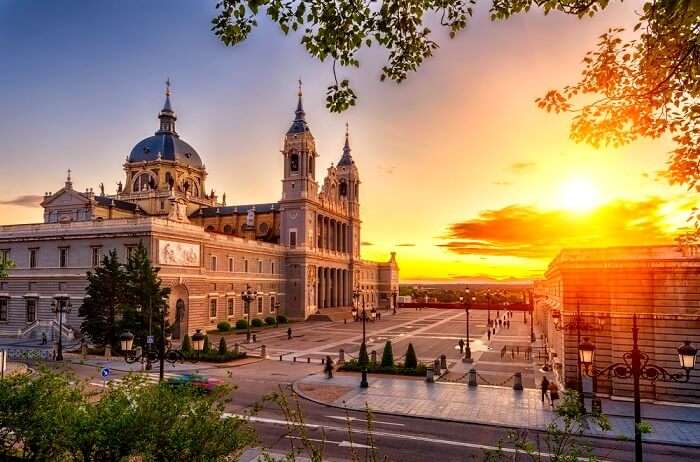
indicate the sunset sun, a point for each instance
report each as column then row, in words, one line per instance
column 579, row 195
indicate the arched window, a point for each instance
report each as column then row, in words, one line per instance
column 294, row 163
column 343, row 189
column 357, row 191
column 311, row 165
column 210, row 229
column 228, row 229
column 144, row 182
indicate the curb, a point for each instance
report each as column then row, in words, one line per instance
column 296, row 390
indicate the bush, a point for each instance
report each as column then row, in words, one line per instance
column 256, row 322
column 411, row 360
column 399, row 369
column 206, row 348
column 187, row 344
column 388, row 355
column 282, row 319
column 223, row 326
column 215, row 357
column 270, row 321
column 222, row 346
column 364, row 358
column 241, row 324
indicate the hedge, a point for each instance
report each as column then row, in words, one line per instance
column 256, row 322
column 270, row 321
column 215, row 356
column 282, row 319
column 241, row 324
column 354, row 366
column 223, row 326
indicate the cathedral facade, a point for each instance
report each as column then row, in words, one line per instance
column 302, row 253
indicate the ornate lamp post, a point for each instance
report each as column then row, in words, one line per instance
column 635, row 364
column 469, row 299
column 395, row 294
column 248, row 296
column 488, row 303
column 61, row 305
column 356, row 295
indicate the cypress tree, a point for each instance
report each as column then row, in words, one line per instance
column 187, row 344
column 364, row 357
column 222, row 346
column 388, row 355
column 411, row 360
column 206, row 348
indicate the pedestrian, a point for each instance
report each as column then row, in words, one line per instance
column 328, row 368
column 461, row 346
column 289, row 333
column 488, row 333
column 508, row 324
column 553, row 393
column 44, row 340
column 544, row 386
column 500, row 323
column 379, row 315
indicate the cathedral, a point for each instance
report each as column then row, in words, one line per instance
column 302, row 253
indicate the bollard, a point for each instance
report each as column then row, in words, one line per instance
column 443, row 362
column 263, row 352
column 295, row 359
column 83, row 350
column 429, row 374
column 517, row 381
column 436, row 365
column 108, row 351
column 280, row 357
column 374, row 357
column 323, row 360
column 341, row 357
column 308, row 360
column 472, row 377
column 254, row 338
column 236, row 349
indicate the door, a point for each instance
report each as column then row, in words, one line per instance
column 179, row 319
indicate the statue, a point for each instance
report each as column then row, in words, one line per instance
column 102, row 189
column 119, row 187
column 223, row 199
column 250, row 218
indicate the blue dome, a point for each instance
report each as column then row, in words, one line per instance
column 169, row 146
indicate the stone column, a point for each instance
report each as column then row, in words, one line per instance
column 328, row 288
column 322, row 287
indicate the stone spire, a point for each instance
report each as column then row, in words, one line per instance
column 299, row 125
column 69, row 181
column 167, row 115
column 346, row 159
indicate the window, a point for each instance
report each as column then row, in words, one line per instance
column 4, row 255
column 260, row 266
column 213, row 262
column 31, row 309
column 3, row 309
column 260, row 305
column 144, row 182
column 246, row 308
column 294, row 163
column 272, row 267
column 230, row 306
column 212, row 308
column 292, row 239
column 272, row 304
column 129, row 251
column 96, row 257
column 230, row 264
column 245, row 266
column 33, row 254
column 63, row 257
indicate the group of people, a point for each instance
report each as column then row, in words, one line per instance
column 549, row 390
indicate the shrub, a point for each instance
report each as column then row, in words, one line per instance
column 364, row 358
column 241, row 324
column 411, row 360
column 223, row 326
column 215, row 357
column 399, row 369
column 388, row 356
column 222, row 346
column 187, row 344
column 256, row 322
column 206, row 348
column 282, row 319
column 270, row 321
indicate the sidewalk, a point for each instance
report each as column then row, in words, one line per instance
column 499, row 406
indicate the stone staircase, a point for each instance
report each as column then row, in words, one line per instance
column 332, row 314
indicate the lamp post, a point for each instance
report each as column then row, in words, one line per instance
column 61, row 305
column 395, row 294
column 248, row 295
column 488, row 305
column 356, row 295
column 469, row 299
column 635, row 364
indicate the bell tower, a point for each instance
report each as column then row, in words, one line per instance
column 299, row 181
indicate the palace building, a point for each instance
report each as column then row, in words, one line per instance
column 302, row 253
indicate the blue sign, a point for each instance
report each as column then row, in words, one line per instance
column 105, row 372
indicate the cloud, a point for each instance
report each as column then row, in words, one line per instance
column 520, row 167
column 406, row 245
column 503, row 183
column 24, row 201
column 366, row 243
column 529, row 232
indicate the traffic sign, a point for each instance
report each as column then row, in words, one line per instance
column 149, row 339
column 105, row 372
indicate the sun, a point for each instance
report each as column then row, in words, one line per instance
column 579, row 195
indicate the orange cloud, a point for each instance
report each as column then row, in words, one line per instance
column 529, row 232
column 520, row 167
column 23, row 201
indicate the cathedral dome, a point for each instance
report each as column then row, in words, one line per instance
column 166, row 143
column 165, row 146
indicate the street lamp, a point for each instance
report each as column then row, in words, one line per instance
column 248, row 296
column 395, row 294
column 488, row 305
column 635, row 364
column 469, row 299
column 61, row 305
column 198, row 340
column 356, row 295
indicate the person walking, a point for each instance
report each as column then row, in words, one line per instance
column 461, row 346
column 553, row 393
column 328, row 368
column 544, row 386
column 488, row 333
column 44, row 340
column 289, row 333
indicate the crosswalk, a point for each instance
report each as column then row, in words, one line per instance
column 150, row 378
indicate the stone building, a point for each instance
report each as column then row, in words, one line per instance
column 661, row 284
column 302, row 252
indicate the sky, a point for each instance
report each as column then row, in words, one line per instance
column 463, row 176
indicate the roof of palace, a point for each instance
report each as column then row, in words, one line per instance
column 236, row 209
column 110, row 202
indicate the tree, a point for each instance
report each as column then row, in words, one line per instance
column 222, row 346
column 104, row 301
column 411, row 362
column 644, row 86
column 147, row 300
column 206, row 348
column 387, row 355
column 363, row 359
column 187, row 344
column 5, row 266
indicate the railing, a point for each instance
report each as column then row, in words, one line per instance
column 52, row 324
